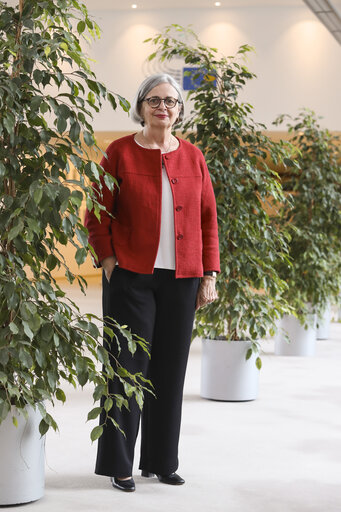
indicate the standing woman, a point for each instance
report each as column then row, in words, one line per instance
column 160, row 255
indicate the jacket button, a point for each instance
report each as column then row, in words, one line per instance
column 178, row 208
column 180, row 237
column 174, row 180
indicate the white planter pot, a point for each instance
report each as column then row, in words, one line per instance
column 302, row 341
column 225, row 373
column 322, row 331
column 22, row 460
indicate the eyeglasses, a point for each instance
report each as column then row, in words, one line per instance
column 155, row 101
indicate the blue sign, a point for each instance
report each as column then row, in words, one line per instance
column 192, row 78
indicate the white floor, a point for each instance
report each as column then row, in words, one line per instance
column 279, row 453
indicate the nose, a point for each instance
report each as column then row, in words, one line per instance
column 162, row 105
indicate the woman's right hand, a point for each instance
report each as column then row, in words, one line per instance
column 108, row 265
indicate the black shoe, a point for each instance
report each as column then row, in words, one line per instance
column 123, row 485
column 172, row 479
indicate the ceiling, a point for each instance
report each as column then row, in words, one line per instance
column 188, row 4
column 337, row 5
column 120, row 5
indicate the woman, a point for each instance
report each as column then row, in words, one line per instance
column 160, row 240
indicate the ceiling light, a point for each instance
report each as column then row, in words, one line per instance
column 217, row 4
column 134, row 6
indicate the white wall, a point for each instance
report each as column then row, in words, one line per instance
column 297, row 61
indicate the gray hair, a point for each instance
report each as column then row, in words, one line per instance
column 147, row 85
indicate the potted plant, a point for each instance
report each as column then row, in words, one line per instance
column 314, row 222
column 48, row 94
column 247, row 190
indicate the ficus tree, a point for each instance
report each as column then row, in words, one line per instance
column 314, row 220
column 240, row 158
column 48, row 96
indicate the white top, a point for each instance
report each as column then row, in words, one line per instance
column 166, row 252
column 165, row 257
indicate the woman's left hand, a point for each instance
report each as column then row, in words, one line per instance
column 206, row 292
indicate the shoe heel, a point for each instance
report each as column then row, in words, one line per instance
column 146, row 474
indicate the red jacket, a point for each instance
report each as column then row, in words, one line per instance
column 133, row 234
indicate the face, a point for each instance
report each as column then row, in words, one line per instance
column 161, row 116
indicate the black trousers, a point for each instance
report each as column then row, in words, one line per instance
column 160, row 309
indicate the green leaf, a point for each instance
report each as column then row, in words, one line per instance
column 102, row 355
column 25, row 357
column 43, row 427
column 100, row 390
column 9, row 289
column 13, row 328
column 47, row 331
column 120, row 401
column 67, row 226
column 61, row 124
column 259, row 363
column 77, row 198
column 16, row 230
column 38, row 76
column 82, row 237
column 112, row 100
column 52, row 377
column 51, row 261
column 81, row 255
column 2, row 170
column 37, row 196
column 9, row 122
column 35, row 103
column 139, row 398
column 248, row 354
column 124, row 103
column 89, row 23
column 88, row 138
column 60, row 395
column 91, row 98
column 48, row 418
column 4, row 357
column 108, row 404
column 89, row 203
column 4, row 409
column 33, row 225
column 3, row 377
column 110, row 181
column 81, row 27
column 27, row 330
column 116, row 425
column 74, row 132
column 83, row 378
column 96, row 433
column 40, row 358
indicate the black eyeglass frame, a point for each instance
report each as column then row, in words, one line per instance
column 160, row 100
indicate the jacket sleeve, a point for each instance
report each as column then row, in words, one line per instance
column 100, row 231
column 209, row 224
